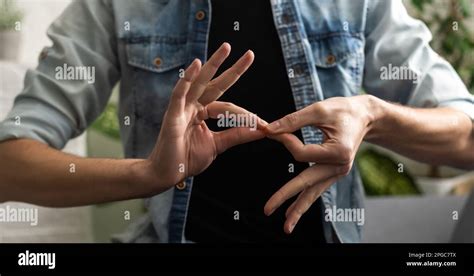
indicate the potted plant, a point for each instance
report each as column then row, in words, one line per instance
column 10, row 27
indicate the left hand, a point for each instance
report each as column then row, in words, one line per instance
column 344, row 123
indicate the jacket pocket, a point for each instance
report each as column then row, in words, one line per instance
column 155, row 63
column 339, row 60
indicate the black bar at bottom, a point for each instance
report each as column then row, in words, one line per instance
column 449, row 259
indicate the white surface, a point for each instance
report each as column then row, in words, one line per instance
column 411, row 219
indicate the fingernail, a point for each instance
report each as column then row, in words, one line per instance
column 274, row 126
column 265, row 123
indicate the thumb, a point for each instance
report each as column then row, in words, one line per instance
column 235, row 136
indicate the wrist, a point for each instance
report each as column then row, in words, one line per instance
column 376, row 114
column 144, row 177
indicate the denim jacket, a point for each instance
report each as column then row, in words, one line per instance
column 331, row 48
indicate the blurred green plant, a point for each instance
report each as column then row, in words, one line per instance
column 380, row 175
column 451, row 23
column 9, row 15
column 108, row 123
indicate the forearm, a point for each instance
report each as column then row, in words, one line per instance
column 33, row 172
column 440, row 136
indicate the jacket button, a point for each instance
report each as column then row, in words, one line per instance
column 158, row 61
column 200, row 15
column 330, row 59
column 181, row 186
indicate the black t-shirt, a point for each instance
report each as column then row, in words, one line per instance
column 227, row 199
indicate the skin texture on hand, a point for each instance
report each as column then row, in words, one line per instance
column 432, row 135
column 344, row 123
column 186, row 146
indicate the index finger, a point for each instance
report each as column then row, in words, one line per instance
column 219, row 85
column 208, row 71
column 293, row 121
column 178, row 96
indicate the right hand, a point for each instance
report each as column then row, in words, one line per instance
column 185, row 145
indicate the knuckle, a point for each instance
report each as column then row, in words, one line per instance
column 228, row 105
column 345, row 153
column 344, row 169
column 313, row 198
column 214, row 64
column 214, row 87
column 307, row 204
column 344, row 100
column 321, row 109
column 235, row 74
column 279, row 195
column 303, row 180
column 291, row 119
column 200, row 108
column 296, row 214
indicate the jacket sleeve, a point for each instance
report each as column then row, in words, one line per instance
column 397, row 42
column 73, row 80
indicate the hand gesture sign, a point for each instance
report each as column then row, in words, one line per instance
column 185, row 145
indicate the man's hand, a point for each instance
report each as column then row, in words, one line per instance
column 344, row 123
column 186, row 146
column 440, row 136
